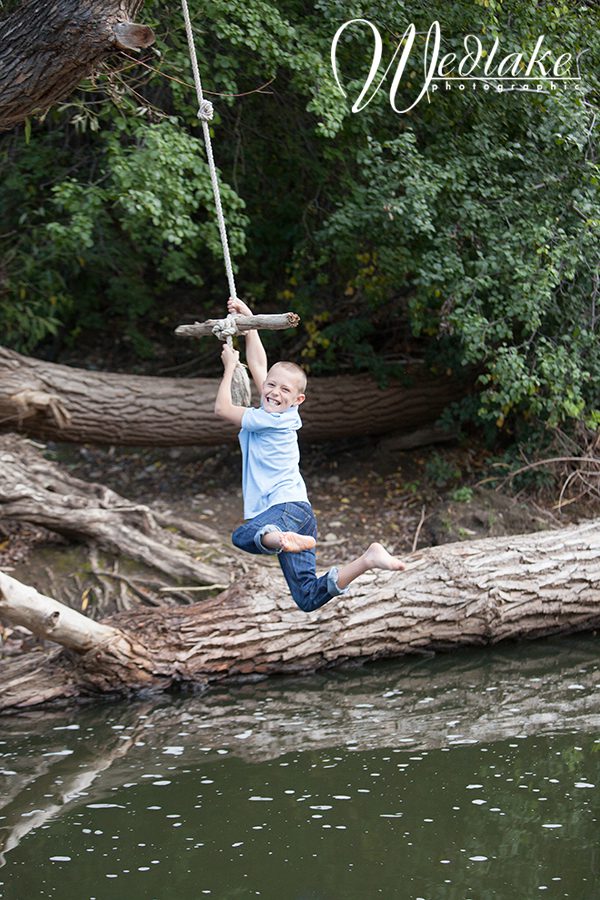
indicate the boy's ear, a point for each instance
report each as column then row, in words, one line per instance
column 300, row 399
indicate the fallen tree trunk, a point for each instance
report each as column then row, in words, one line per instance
column 33, row 489
column 56, row 402
column 476, row 592
column 47, row 48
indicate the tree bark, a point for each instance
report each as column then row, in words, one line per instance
column 47, row 48
column 47, row 618
column 472, row 593
column 56, row 402
column 32, row 489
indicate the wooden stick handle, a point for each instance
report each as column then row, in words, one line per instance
column 243, row 323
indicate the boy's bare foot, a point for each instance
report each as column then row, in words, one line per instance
column 288, row 541
column 377, row 557
column 295, row 543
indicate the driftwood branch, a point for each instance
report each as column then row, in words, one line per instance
column 476, row 593
column 105, row 649
column 33, row 489
column 48, row 619
column 243, row 324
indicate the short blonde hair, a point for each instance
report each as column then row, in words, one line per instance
column 296, row 370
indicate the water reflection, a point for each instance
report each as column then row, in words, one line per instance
column 475, row 772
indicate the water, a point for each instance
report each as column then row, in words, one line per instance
column 474, row 775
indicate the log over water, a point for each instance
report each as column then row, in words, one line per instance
column 418, row 706
column 472, row 593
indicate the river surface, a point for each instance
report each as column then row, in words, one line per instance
column 473, row 775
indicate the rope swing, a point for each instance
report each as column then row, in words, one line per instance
column 240, row 389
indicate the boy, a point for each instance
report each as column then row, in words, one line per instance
column 279, row 516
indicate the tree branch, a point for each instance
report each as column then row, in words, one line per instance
column 47, row 48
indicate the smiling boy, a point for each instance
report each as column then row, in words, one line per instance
column 279, row 517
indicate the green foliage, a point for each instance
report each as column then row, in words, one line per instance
column 465, row 231
column 441, row 471
column 107, row 248
column 462, row 495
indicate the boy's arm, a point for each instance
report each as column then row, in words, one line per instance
column 224, row 407
column 255, row 352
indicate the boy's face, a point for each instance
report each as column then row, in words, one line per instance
column 280, row 390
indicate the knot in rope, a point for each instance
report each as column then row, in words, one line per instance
column 225, row 328
column 205, row 111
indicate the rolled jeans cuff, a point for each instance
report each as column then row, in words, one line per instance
column 332, row 583
column 266, row 529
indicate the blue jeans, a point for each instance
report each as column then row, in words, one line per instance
column 299, row 569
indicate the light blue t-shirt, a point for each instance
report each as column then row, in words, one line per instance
column 270, row 459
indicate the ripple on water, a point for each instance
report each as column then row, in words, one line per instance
column 219, row 818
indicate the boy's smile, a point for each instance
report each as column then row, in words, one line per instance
column 280, row 390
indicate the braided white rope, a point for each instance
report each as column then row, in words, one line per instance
column 240, row 391
column 205, row 113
